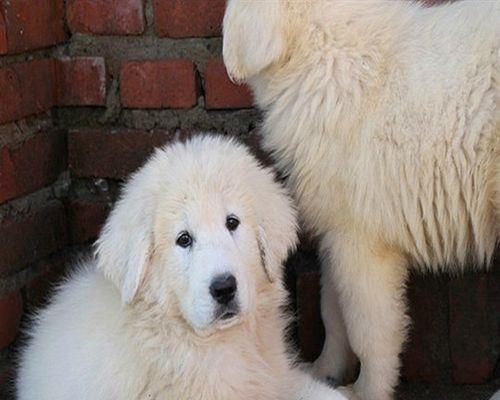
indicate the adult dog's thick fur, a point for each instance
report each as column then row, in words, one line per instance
column 183, row 298
column 385, row 116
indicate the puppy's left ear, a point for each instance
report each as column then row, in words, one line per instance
column 277, row 234
column 125, row 245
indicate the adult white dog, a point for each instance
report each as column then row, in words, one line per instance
column 183, row 298
column 385, row 116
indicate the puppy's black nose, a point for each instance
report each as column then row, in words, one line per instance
column 223, row 288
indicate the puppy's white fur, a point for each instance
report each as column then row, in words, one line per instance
column 385, row 116
column 138, row 321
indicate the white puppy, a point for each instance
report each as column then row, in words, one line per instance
column 385, row 115
column 183, row 300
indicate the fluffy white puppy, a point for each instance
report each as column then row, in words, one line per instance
column 385, row 116
column 183, row 298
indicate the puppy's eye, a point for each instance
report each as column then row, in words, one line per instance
column 232, row 223
column 184, row 240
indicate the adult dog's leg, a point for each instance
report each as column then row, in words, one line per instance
column 371, row 284
column 337, row 360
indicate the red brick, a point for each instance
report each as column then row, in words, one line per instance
column 106, row 17
column 220, row 92
column 427, row 353
column 86, row 219
column 26, row 89
column 81, row 81
column 193, row 18
column 32, row 164
column 30, row 237
column 27, row 26
column 158, row 84
column 3, row 35
column 111, row 154
column 39, row 289
column 11, row 310
column 471, row 340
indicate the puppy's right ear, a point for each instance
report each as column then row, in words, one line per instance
column 277, row 230
column 125, row 245
column 253, row 36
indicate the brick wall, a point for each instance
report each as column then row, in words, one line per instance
column 87, row 89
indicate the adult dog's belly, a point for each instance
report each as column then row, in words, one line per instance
column 434, row 205
column 436, row 208
column 404, row 166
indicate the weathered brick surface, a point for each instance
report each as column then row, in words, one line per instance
column 33, row 87
column 106, row 17
column 427, row 353
column 310, row 328
column 32, row 164
column 38, row 290
column 111, row 154
column 4, row 47
column 81, row 81
column 493, row 311
column 27, row 25
column 158, row 84
column 86, row 219
column 471, row 340
column 303, row 281
column 26, row 89
column 6, row 374
column 220, row 92
column 11, row 309
column 193, row 18
column 28, row 238
column 253, row 142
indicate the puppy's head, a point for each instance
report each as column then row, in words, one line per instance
column 199, row 230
